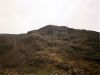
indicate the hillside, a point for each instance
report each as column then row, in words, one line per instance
column 50, row 50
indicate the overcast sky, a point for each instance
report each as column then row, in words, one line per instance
column 20, row 16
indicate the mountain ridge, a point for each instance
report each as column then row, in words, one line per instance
column 65, row 27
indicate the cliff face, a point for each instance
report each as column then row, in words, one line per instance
column 51, row 50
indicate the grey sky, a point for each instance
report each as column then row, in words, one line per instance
column 19, row 16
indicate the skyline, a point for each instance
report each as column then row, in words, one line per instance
column 21, row 16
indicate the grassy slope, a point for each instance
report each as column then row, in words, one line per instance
column 51, row 49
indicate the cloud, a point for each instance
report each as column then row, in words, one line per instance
column 18, row 16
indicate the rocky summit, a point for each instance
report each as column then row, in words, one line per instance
column 50, row 50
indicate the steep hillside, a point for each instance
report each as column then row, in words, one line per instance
column 50, row 50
